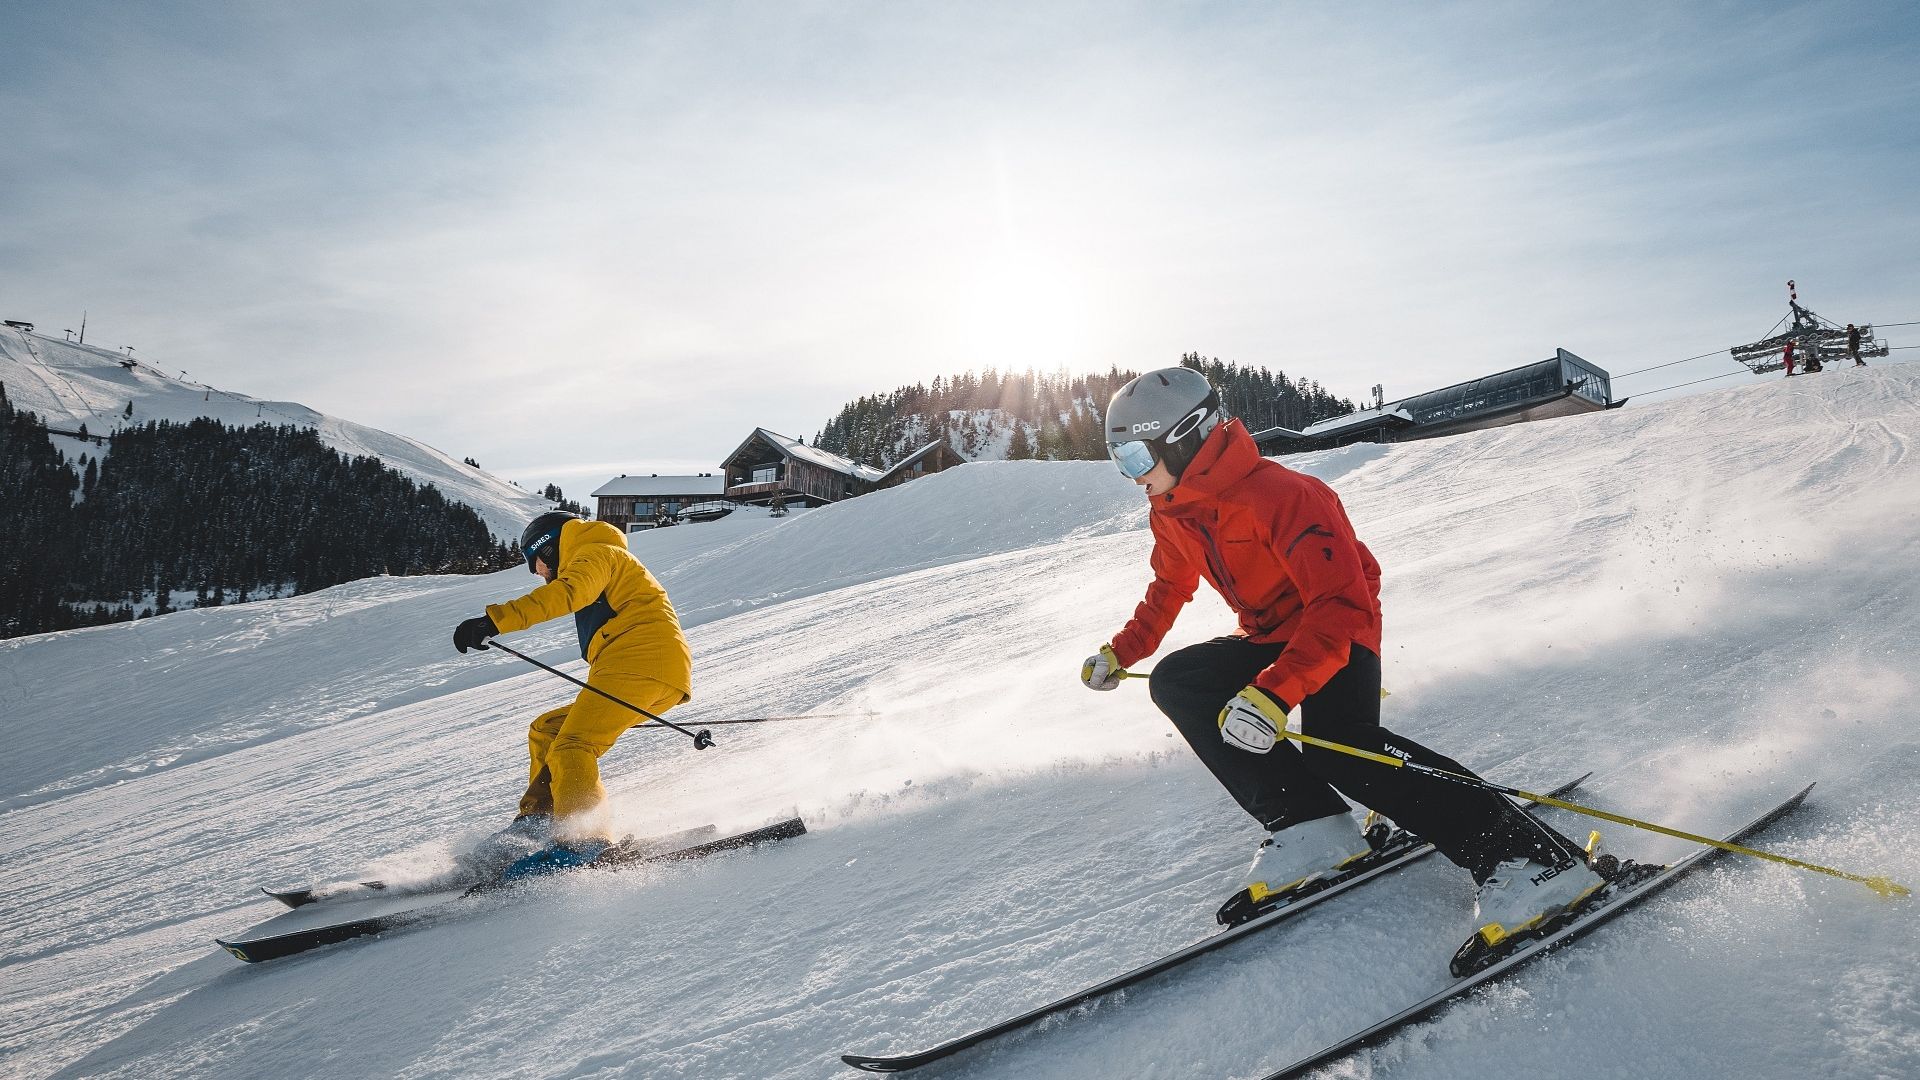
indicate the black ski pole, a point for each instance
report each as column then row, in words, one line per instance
column 701, row 739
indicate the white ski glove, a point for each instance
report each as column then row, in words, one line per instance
column 1253, row 720
column 1102, row 670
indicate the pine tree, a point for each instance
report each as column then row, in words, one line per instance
column 1019, row 448
column 235, row 512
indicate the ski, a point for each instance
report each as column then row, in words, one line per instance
column 625, row 851
column 1398, row 850
column 311, row 925
column 1608, row 903
column 294, row 898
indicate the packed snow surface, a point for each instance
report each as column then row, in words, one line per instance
column 71, row 386
column 1710, row 602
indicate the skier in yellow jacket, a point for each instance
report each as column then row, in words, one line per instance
column 635, row 651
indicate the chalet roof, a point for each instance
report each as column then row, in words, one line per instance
column 704, row 484
column 907, row 462
column 824, row 459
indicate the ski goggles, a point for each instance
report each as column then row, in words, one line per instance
column 1135, row 459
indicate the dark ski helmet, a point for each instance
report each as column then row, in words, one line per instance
column 1162, row 416
column 541, row 537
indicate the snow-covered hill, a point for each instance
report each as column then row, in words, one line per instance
column 1708, row 601
column 72, row 385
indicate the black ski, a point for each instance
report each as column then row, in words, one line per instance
column 1607, row 904
column 1397, row 851
column 311, row 925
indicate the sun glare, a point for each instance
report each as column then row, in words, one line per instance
column 1024, row 312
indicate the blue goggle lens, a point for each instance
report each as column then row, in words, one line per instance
column 1135, row 459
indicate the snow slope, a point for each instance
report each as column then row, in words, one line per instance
column 69, row 385
column 1709, row 601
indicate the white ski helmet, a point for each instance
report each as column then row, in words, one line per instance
column 1162, row 416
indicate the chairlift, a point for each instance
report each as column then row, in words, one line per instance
column 1816, row 341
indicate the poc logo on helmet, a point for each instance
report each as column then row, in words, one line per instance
column 1150, row 425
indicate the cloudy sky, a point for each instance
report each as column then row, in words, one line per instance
column 578, row 239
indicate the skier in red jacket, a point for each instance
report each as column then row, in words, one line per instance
column 1277, row 546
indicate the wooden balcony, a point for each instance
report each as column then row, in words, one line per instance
column 753, row 491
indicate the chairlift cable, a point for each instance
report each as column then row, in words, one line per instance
column 1702, row 356
column 1676, row 386
column 1671, row 363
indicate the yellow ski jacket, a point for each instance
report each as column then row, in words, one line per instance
column 625, row 621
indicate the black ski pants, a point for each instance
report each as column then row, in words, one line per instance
column 1290, row 784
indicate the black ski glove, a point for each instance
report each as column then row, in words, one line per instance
column 473, row 633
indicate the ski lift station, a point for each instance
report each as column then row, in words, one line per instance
column 1561, row 385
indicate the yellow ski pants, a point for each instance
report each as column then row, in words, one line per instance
column 564, row 745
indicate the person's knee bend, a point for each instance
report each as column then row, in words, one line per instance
column 1172, row 681
column 568, row 743
column 572, row 760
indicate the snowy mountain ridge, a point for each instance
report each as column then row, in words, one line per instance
column 1709, row 602
column 72, row 386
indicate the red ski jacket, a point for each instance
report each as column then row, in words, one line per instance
column 1277, row 546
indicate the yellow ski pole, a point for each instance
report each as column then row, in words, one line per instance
column 1885, row 888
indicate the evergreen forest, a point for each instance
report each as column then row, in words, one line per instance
column 1053, row 416
column 225, row 514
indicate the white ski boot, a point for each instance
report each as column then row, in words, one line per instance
column 1522, row 893
column 1302, row 853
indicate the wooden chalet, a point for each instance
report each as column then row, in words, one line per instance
column 936, row 456
column 769, row 465
column 626, row 501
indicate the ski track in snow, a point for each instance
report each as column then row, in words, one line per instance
column 1710, row 601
